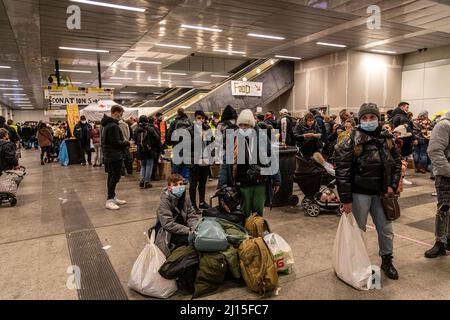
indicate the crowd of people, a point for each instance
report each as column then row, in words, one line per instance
column 368, row 152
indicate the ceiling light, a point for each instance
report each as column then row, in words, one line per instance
column 128, row 92
column 187, row 26
column 187, row 87
column 14, row 94
column 25, row 105
column 9, row 80
column 383, row 51
column 200, row 81
column 331, row 44
column 163, row 22
column 110, row 5
column 265, row 36
column 218, row 76
column 5, row 67
column 288, row 57
column 84, row 50
column 258, row 71
column 19, row 99
column 173, row 46
column 159, row 80
column 75, row 71
column 148, row 62
column 76, row 82
column 244, row 79
column 27, row 108
column 133, row 71
column 112, row 84
column 120, row 78
column 9, row 88
column 229, row 51
column 175, row 73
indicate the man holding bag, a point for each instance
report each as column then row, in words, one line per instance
column 368, row 165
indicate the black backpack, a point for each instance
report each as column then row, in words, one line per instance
column 143, row 141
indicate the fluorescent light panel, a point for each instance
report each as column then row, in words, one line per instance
column 128, row 92
column 75, row 71
column 110, row 5
column 83, row 49
column 383, row 51
column 175, row 73
column 9, row 88
column 200, row 81
column 187, row 26
column 173, row 46
column 229, row 51
column 218, row 76
column 14, row 94
column 9, row 80
column 288, row 57
column 265, row 36
column 133, row 71
column 159, row 80
column 120, row 78
column 148, row 62
column 5, row 67
column 331, row 44
column 112, row 84
column 27, row 108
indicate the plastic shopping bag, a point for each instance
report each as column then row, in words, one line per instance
column 350, row 259
column 281, row 251
column 63, row 156
column 145, row 278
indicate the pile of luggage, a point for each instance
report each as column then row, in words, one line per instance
column 219, row 249
column 9, row 184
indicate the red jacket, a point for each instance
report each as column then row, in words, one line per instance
column 95, row 134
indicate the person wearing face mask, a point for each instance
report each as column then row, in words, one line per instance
column 82, row 132
column 95, row 134
column 227, row 123
column 368, row 164
column 199, row 168
column 113, row 149
column 175, row 216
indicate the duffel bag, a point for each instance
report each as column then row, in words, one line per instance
column 209, row 236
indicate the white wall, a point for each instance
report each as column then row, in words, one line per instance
column 426, row 86
column 29, row 115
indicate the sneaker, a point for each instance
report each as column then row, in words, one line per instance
column 148, row 185
column 142, row 184
column 204, row 206
column 119, row 202
column 42, row 163
column 434, row 194
column 211, row 179
column 83, row 164
column 110, row 205
column 95, row 165
column 437, row 250
column 407, row 182
column 90, row 163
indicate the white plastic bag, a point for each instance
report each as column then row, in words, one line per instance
column 145, row 278
column 281, row 251
column 350, row 259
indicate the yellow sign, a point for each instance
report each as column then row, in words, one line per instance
column 73, row 116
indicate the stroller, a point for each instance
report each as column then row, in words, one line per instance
column 9, row 184
column 318, row 184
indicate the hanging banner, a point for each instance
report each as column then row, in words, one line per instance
column 246, row 88
column 61, row 96
column 73, row 116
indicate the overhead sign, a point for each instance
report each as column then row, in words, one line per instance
column 246, row 88
column 80, row 96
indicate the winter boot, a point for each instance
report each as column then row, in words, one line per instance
column 388, row 267
column 436, row 251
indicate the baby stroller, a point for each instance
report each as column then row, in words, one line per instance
column 318, row 184
column 9, row 184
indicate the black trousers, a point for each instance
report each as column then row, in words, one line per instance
column 197, row 179
column 114, row 170
column 86, row 150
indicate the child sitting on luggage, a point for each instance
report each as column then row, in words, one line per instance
column 175, row 216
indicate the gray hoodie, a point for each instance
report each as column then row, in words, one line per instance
column 168, row 224
column 439, row 147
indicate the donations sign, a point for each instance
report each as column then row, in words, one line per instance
column 80, row 96
column 246, row 88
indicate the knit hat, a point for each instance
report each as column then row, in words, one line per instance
column 229, row 114
column 403, row 131
column 369, row 108
column 246, row 117
column 284, row 111
column 423, row 114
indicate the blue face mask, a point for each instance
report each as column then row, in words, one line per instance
column 370, row 126
column 178, row 191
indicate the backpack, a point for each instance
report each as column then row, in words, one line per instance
column 257, row 266
column 209, row 236
column 256, row 225
column 143, row 141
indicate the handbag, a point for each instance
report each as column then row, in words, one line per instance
column 391, row 206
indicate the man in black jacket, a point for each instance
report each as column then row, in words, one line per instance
column 400, row 116
column 82, row 132
column 8, row 159
column 368, row 165
column 113, row 147
column 13, row 136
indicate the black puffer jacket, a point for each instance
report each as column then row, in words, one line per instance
column 367, row 164
column 307, row 145
column 153, row 140
column 113, row 143
column 399, row 117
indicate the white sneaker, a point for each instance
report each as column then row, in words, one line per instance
column 119, row 202
column 110, row 205
column 407, row 182
column 434, row 194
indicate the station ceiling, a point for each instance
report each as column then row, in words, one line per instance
column 144, row 49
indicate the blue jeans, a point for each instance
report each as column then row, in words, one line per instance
column 362, row 205
column 147, row 169
column 420, row 155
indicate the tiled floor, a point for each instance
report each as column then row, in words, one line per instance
column 54, row 201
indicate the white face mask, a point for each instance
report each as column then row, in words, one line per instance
column 83, row 121
column 233, row 121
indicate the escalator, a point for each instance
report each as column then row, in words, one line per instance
column 277, row 77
